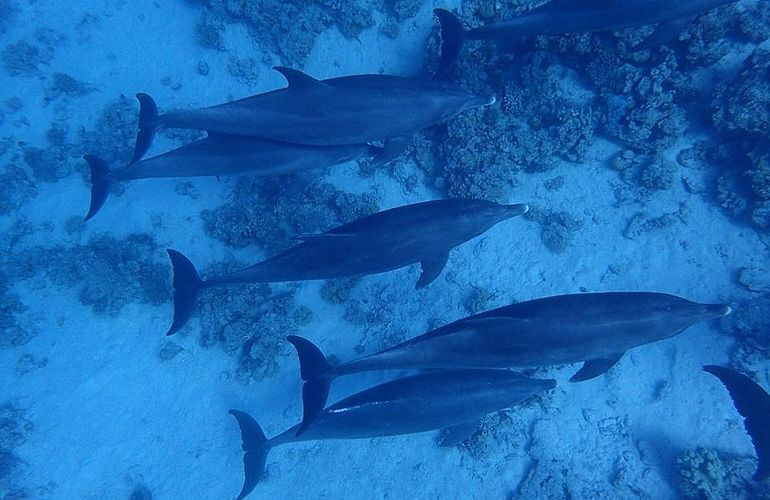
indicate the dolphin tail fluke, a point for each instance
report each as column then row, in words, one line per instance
column 187, row 283
column 255, row 447
column 100, row 184
column 753, row 403
column 148, row 122
column 451, row 40
column 317, row 373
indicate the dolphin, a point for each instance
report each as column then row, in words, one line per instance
column 559, row 17
column 421, row 232
column 222, row 155
column 596, row 328
column 753, row 403
column 418, row 403
column 345, row 110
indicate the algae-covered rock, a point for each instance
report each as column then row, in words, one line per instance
column 749, row 325
column 268, row 214
column 706, row 474
column 250, row 322
column 289, row 29
column 107, row 273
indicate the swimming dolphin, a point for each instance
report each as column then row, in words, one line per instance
column 559, row 17
column 597, row 328
column 409, row 405
column 222, row 155
column 421, row 232
column 753, row 403
column 345, row 110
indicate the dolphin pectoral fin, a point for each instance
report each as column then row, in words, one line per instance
column 457, row 434
column 298, row 80
column 664, row 33
column 595, row 367
column 431, row 268
column 753, row 403
column 392, row 149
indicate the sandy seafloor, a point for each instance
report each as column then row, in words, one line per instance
column 109, row 415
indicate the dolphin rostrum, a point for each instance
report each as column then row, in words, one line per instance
column 419, row 403
column 559, row 17
column 596, row 328
column 384, row 241
column 753, row 403
column 345, row 110
column 218, row 155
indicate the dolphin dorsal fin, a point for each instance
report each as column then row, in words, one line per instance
column 298, row 80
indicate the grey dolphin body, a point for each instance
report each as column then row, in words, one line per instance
column 222, row 155
column 408, row 405
column 559, row 17
column 345, row 110
column 421, row 232
column 596, row 328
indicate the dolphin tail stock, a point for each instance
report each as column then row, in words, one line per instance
column 100, row 184
column 187, row 283
column 452, row 35
column 255, row 449
column 753, row 404
column 317, row 373
column 148, row 122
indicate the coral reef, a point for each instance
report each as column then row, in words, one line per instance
column 741, row 108
column 540, row 120
column 107, row 273
column 251, row 322
column 63, row 84
column 12, row 333
column 22, row 58
column 706, row 474
column 557, row 93
column 14, row 430
column 749, row 325
column 16, row 188
column 289, row 29
column 557, row 228
column 270, row 214
column 642, row 223
column 114, row 134
column 8, row 12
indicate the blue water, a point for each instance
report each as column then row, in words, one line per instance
column 644, row 169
